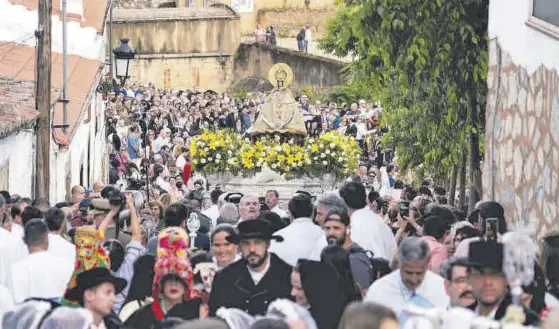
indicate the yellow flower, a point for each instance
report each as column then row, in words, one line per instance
column 314, row 148
column 281, row 158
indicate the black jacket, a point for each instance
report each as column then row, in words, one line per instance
column 532, row 319
column 144, row 318
column 234, row 287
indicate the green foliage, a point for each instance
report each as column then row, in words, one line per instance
column 240, row 93
column 426, row 61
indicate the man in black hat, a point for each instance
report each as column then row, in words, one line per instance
column 256, row 280
column 489, row 284
column 96, row 291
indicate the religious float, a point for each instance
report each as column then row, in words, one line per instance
column 277, row 153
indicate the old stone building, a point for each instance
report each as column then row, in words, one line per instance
column 521, row 167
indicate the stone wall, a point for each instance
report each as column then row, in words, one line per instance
column 254, row 60
column 182, row 72
column 521, row 166
column 141, row 4
column 288, row 22
column 178, row 30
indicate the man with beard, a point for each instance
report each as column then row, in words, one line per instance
column 338, row 231
column 456, row 283
column 256, row 280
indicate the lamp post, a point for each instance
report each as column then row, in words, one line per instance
column 123, row 54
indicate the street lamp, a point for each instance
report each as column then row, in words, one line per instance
column 123, row 54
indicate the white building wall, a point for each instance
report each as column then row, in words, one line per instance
column 19, row 24
column 18, row 152
column 527, row 47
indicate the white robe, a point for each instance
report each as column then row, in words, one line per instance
column 302, row 239
column 40, row 275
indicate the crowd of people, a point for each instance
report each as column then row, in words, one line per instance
column 160, row 255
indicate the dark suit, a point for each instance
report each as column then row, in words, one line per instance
column 532, row 319
column 233, row 287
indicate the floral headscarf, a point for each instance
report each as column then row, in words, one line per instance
column 89, row 254
column 172, row 258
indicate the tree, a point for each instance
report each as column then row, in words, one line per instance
column 427, row 62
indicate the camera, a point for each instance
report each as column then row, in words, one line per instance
column 404, row 208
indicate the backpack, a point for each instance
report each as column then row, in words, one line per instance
column 379, row 266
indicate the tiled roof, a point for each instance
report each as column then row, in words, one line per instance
column 17, row 106
column 18, row 63
column 94, row 11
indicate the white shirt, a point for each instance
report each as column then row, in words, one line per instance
column 6, row 302
column 257, row 276
column 301, row 239
column 10, row 251
column 158, row 143
column 40, row 275
column 391, row 292
column 17, row 230
column 212, row 213
column 371, row 233
column 282, row 213
column 180, row 163
column 308, row 35
column 58, row 246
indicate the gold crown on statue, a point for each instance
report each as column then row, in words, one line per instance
column 280, row 72
column 281, row 75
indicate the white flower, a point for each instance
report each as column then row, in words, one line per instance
column 327, row 151
column 311, row 140
column 332, row 145
column 200, row 143
column 323, row 155
column 321, row 145
column 229, row 152
column 333, row 154
column 206, row 149
column 210, row 159
column 294, row 164
column 308, row 161
column 217, row 160
column 218, row 156
column 300, row 164
column 203, row 160
column 278, row 148
column 315, row 158
column 325, row 163
column 291, row 141
column 274, row 165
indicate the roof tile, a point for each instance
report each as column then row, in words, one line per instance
column 17, row 63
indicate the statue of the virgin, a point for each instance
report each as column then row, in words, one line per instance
column 280, row 113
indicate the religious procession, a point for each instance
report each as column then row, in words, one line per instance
column 224, row 221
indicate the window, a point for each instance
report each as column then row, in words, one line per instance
column 547, row 11
column 545, row 17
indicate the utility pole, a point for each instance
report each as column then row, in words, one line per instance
column 43, row 91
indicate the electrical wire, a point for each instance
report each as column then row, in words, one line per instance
column 20, row 39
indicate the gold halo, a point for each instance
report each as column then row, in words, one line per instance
column 280, row 71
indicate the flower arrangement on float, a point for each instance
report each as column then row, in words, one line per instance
column 226, row 151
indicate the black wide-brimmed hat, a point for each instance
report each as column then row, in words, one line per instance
column 92, row 278
column 486, row 254
column 254, row 229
